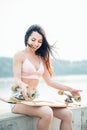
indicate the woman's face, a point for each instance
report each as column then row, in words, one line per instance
column 35, row 40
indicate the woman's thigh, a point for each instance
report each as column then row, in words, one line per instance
column 32, row 111
column 62, row 113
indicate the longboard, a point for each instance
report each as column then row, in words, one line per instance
column 69, row 98
column 34, row 102
column 39, row 102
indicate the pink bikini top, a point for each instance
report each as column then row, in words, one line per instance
column 29, row 71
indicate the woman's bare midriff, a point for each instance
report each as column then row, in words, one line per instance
column 32, row 83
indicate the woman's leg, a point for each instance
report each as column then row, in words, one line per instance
column 65, row 115
column 44, row 113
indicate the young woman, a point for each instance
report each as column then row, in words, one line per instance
column 29, row 65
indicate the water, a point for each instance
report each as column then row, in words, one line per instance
column 75, row 81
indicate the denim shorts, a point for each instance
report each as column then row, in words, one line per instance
column 17, row 94
column 12, row 105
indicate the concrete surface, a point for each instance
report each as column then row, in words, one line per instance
column 10, row 121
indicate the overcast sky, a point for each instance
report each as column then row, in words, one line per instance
column 64, row 21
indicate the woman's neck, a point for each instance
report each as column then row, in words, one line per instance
column 30, row 50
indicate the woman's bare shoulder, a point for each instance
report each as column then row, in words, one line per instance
column 44, row 64
column 19, row 55
column 43, row 61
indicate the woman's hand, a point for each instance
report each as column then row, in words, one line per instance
column 24, row 92
column 76, row 92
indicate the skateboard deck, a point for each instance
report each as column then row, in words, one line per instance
column 35, row 102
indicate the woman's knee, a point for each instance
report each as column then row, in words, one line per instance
column 47, row 113
column 68, row 114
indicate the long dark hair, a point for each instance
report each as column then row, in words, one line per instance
column 45, row 50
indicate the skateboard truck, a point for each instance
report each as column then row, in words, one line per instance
column 31, row 93
column 69, row 98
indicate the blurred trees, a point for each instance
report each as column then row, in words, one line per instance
column 60, row 67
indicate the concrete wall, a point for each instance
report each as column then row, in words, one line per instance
column 12, row 121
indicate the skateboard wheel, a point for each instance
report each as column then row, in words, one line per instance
column 77, row 98
column 60, row 92
column 14, row 88
column 31, row 94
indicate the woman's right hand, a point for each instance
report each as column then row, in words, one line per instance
column 24, row 92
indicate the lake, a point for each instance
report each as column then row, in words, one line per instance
column 75, row 81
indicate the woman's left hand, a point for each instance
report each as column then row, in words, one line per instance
column 76, row 92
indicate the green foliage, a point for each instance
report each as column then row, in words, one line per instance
column 60, row 67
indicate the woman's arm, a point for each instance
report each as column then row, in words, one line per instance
column 50, row 82
column 17, row 62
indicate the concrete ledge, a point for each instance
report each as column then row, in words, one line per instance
column 12, row 121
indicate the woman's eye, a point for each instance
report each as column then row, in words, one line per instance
column 40, row 42
column 33, row 39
